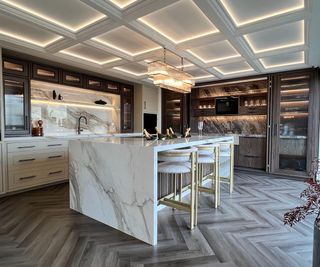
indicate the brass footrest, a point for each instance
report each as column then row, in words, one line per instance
column 206, row 190
column 175, row 204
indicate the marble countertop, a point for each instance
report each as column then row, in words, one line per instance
column 160, row 145
column 68, row 137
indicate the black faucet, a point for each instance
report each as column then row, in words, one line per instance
column 79, row 130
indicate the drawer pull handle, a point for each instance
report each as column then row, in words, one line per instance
column 51, row 173
column 54, row 157
column 55, row 145
column 27, row 177
column 20, row 147
column 25, row 160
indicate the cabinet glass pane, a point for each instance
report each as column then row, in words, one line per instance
column 13, row 66
column 173, row 117
column 94, row 83
column 127, row 116
column 14, row 104
column 45, row 73
column 71, row 78
column 294, row 108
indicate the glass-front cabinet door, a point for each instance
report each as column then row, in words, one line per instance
column 127, row 114
column 291, row 123
column 16, row 97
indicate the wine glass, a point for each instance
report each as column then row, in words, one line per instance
column 200, row 127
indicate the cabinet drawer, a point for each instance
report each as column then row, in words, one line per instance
column 33, row 177
column 20, row 160
column 15, row 147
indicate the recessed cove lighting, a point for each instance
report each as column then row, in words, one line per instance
column 241, row 22
column 123, row 50
column 30, row 41
column 233, row 72
column 122, row 3
column 295, row 61
column 89, row 59
column 212, row 60
column 80, row 26
column 129, row 72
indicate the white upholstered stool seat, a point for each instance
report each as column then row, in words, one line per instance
column 174, row 167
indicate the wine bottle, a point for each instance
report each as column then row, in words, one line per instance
column 169, row 136
column 173, row 135
column 159, row 135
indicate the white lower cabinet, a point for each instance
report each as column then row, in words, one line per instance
column 36, row 163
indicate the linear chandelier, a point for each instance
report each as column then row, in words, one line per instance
column 170, row 77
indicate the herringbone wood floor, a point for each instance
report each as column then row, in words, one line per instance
column 38, row 229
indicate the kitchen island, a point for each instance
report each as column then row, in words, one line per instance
column 114, row 180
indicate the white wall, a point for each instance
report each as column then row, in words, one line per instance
column 147, row 99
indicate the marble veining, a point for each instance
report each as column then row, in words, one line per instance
column 114, row 180
column 59, row 117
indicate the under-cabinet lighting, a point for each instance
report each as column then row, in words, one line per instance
column 24, row 39
column 89, row 59
column 59, row 23
column 46, row 102
column 270, row 15
column 294, row 91
column 294, row 103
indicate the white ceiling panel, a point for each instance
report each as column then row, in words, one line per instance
column 71, row 14
column 127, row 41
column 199, row 74
column 234, row 68
column 283, row 36
column 215, row 52
column 133, row 69
column 89, row 54
column 248, row 11
column 283, row 60
column 122, row 3
column 26, row 32
column 180, row 22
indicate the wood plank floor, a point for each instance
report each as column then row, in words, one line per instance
column 38, row 229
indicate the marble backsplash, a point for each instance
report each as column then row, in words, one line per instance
column 61, row 117
column 253, row 124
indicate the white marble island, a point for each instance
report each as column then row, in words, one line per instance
column 114, row 180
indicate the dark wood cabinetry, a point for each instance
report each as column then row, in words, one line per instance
column 16, row 105
column 45, row 73
column 127, row 109
column 294, row 126
column 71, row 78
column 251, row 153
column 175, row 111
column 15, row 67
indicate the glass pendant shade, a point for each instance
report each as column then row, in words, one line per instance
column 169, row 77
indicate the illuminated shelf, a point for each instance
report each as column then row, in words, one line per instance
column 72, row 104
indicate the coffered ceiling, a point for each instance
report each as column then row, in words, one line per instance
column 217, row 39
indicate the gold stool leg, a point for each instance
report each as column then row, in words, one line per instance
column 218, row 175
column 231, row 167
column 180, row 188
column 196, row 191
column 192, row 203
column 175, row 186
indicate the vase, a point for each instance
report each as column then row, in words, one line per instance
column 316, row 245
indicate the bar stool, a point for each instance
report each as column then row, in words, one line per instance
column 227, row 151
column 178, row 162
column 208, row 154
